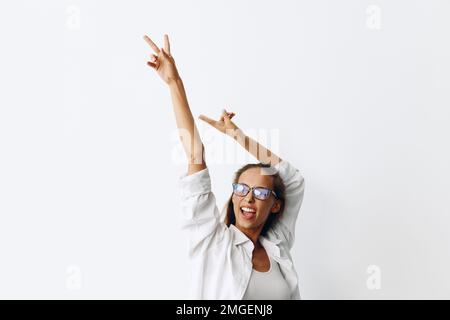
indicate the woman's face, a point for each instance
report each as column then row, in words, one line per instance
column 253, row 177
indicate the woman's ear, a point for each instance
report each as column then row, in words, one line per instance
column 276, row 206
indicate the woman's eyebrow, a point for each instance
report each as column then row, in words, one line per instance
column 256, row 186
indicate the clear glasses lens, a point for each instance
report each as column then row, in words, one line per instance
column 259, row 193
column 240, row 189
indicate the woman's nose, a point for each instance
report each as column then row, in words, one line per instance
column 249, row 196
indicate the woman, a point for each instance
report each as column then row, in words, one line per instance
column 247, row 256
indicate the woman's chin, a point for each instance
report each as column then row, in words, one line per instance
column 246, row 222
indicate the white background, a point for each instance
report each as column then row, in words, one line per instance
column 358, row 92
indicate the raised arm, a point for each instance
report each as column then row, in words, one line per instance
column 163, row 63
column 292, row 178
column 228, row 127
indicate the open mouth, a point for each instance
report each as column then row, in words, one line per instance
column 248, row 213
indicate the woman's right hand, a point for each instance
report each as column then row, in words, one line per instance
column 224, row 124
column 162, row 60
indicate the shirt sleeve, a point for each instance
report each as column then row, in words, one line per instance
column 200, row 215
column 295, row 185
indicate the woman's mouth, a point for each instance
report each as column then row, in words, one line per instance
column 248, row 213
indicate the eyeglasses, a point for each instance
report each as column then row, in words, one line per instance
column 261, row 193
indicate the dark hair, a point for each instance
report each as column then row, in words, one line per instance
column 278, row 187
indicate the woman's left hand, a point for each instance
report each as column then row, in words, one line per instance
column 224, row 124
column 162, row 60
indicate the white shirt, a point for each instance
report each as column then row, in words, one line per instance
column 221, row 256
column 268, row 285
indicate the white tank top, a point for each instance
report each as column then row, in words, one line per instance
column 269, row 285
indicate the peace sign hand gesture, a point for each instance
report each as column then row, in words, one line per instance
column 162, row 61
column 224, row 124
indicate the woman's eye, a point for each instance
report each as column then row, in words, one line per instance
column 262, row 192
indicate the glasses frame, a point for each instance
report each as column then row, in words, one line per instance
column 252, row 189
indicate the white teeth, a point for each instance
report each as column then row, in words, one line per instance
column 247, row 209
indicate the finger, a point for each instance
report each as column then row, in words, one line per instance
column 223, row 115
column 164, row 52
column 166, row 44
column 151, row 64
column 153, row 58
column 226, row 115
column 152, row 44
column 207, row 120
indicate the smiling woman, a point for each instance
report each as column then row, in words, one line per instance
column 246, row 208
column 248, row 255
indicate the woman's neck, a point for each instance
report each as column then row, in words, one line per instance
column 252, row 234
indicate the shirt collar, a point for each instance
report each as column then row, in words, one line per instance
column 269, row 245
